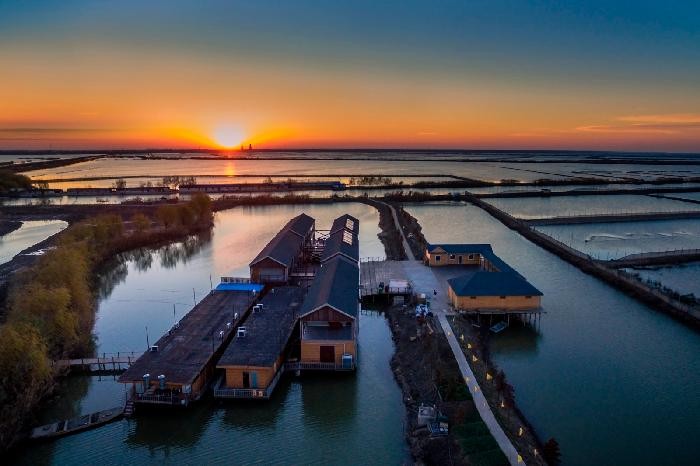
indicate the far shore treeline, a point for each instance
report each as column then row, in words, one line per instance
column 50, row 306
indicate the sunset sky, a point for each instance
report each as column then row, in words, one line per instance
column 589, row 74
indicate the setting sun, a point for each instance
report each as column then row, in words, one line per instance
column 228, row 137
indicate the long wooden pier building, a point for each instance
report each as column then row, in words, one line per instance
column 180, row 366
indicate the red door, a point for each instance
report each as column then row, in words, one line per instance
column 327, row 353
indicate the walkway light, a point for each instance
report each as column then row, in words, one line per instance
column 520, row 432
column 469, row 345
column 488, row 376
column 474, row 358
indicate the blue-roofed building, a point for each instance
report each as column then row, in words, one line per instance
column 488, row 282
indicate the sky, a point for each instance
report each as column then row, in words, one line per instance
column 492, row 74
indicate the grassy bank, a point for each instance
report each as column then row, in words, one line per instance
column 50, row 305
column 427, row 373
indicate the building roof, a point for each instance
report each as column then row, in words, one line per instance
column 302, row 224
column 336, row 284
column 483, row 283
column 285, row 245
column 267, row 331
column 186, row 349
column 253, row 287
column 347, row 222
column 461, row 248
column 342, row 242
column 483, row 249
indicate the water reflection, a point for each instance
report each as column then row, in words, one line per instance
column 116, row 271
column 162, row 429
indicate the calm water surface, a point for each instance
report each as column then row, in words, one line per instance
column 546, row 207
column 614, row 240
column 345, row 419
column 30, row 233
column 612, row 380
column 684, row 278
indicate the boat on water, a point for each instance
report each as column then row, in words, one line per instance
column 76, row 424
column 499, row 327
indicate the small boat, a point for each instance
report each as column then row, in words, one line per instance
column 499, row 327
column 76, row 424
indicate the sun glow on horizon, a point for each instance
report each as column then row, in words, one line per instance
column 228, row 137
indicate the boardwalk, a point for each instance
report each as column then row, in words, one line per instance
column 479, row 399
column 111, row 362
column 425, row 280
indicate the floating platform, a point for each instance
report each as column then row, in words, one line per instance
column 178, row 368
column 254, row 360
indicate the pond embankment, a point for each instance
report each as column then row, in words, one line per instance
column 616, row 278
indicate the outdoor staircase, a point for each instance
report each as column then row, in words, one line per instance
column 129, row 408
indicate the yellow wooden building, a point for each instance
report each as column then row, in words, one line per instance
column 487, row 282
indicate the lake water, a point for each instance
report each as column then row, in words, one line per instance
column 611, row 379
column 614, row 240
column 30, row 233
column 315, row 419
column 351, row 164
column 683, row 278
column 545, row 207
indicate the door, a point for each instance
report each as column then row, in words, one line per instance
column 327, row 354
column 246, row 380
column 460, row 259
column 253, row 380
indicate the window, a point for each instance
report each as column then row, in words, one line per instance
column 437, row 258
column 472, row 297
column 528, row 297
column 350, row 224
column 503, row 297
column 347, row 237
column 452, row 256
column 471, row 257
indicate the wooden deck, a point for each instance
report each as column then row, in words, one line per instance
column 106, row 363
column 374, row 272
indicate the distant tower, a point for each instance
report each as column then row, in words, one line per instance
column 241, row 147
column 250, row 147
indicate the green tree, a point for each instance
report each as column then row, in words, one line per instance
column 168, row 215
column 141, row 223
column 25, row 376
column 201, row 203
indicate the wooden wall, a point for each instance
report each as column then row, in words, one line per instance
column 266, row 263
column 494, row 302
column 445, row 259
column 311, row 351
column 234, row 376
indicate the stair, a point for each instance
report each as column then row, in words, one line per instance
column 129, row 408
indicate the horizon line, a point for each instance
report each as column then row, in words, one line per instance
column 171, row 150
